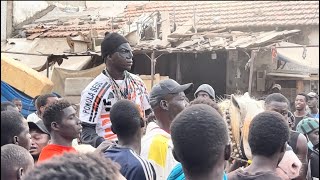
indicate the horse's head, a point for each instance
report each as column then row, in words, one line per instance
column 241, row 110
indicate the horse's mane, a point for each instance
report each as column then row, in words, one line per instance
column 239, row 109
column 224, row 102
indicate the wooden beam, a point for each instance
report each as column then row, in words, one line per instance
column 300, row 86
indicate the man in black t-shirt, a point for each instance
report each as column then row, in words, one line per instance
column 301, row 111
column 268, row 136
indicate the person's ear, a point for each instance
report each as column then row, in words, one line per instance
column 55, row 126
column 108, row 57
column 20, row 172
column 16, row 140
column 164, row 105
column 175, row 155
column 227, row 152
column 112, row 129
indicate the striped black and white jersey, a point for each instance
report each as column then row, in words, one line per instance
column 99, row 96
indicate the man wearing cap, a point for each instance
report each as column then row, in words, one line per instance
column 167, row 99
column 276, row 88
column 205, row 91
column 310, row 128
column 40, row 138
column 313, row 104
column 113, row 84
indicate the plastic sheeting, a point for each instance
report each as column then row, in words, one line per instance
column 8, row 93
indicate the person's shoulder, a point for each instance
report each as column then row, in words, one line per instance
column 233, row 175
column 141, row 167
column 309, row 115
column 32, row 114
column 314, row 154
column 241, row 174
column 50, row 147
column 117, row 151
column 160, row 139
column 97, row 82
column 136, row 77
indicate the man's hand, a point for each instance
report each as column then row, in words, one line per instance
column 104, row 146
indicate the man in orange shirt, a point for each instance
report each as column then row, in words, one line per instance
column 61, row 121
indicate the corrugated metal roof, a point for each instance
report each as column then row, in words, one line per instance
column 224, row 40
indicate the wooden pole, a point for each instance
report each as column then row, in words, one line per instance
column 178, row 70
column 253, row 56
column 155, row 23
column 174, row 18
column 112, row 24
column 152, row 67
column 299, row 86
column 9, row 19
column 250, row 78
column 47, row 64
column 194, row 19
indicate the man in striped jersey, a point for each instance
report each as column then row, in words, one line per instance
column 127, row 123
column 113, row 84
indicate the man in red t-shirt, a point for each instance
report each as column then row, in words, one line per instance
column 61, row 121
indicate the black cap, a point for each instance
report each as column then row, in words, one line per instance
column 39, row 125
column 110, row 43
column 168, row 86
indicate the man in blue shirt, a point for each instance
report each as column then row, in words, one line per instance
column 200, row 139
column 127, row 123
column 313, row 104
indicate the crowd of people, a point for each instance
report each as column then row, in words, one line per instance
column 124, row 132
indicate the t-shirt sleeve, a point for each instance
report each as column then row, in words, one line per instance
column 90, row 107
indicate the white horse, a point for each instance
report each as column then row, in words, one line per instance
column 239, row 111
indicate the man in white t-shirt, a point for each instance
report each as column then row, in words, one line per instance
column 167, row 99
column 41, row 102
column 113, row 84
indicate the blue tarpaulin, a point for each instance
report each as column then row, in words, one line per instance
column 8, row 93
